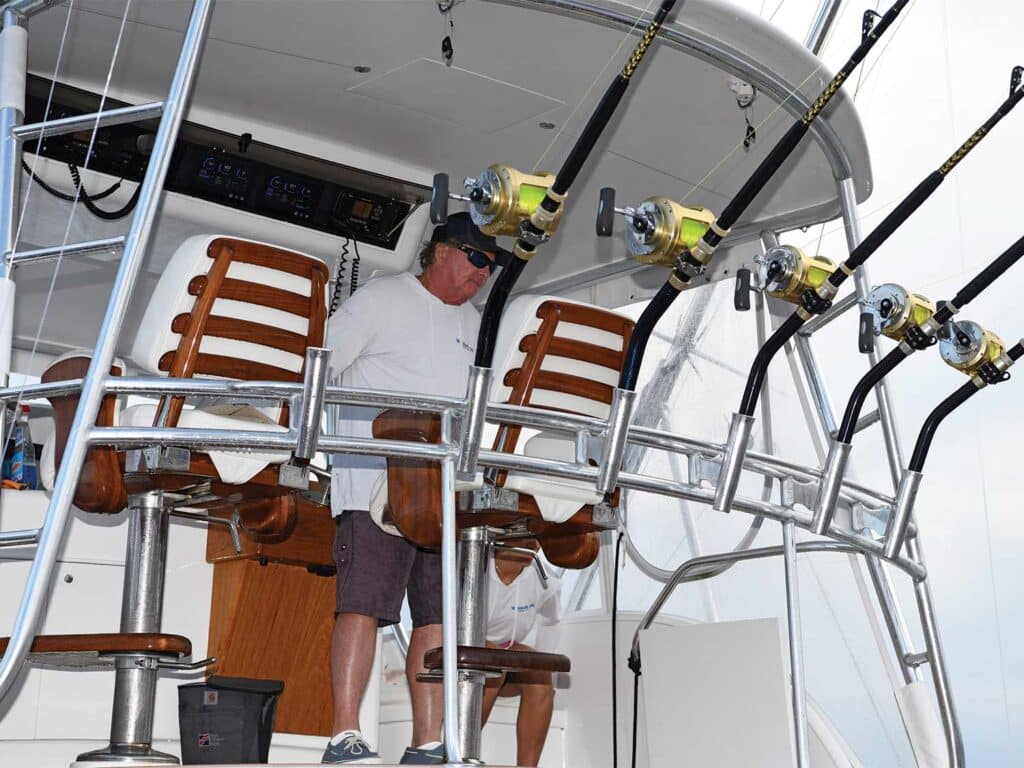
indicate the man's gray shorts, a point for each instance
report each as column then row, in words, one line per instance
column 376, row 568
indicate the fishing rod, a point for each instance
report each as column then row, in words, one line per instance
column 914, row 322
column 505, row 201
column 812, row 290
column 686, row 238
column 985, row 359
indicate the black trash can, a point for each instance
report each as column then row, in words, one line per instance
column 227, row 719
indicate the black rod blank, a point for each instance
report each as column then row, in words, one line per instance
column 683, row 271
column 531, row 233
column 990, row 274
column 874, row 240
column 787, row 143
column 642, row 332
column 491, row 316
column 860, row 392
column 942, row 315
column 942, row 410
column 946, row 407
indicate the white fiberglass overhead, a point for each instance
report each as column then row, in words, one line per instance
column 286, row 72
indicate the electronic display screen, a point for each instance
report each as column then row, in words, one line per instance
column 224, row 176
column 257, row 177
column 293, row 196
column 361, row 209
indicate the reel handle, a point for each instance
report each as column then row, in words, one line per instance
column 439, row 199
column 866, row 333
column 606, row 212
column 741, row 294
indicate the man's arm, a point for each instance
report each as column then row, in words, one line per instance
column 349, row 332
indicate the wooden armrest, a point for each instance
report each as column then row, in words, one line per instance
column 499, row 660
column 101, row 484
column 97, row 650
column 414, row 485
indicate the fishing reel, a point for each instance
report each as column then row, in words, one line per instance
column 660, row 229
column 891, row 310
column 786, row 272
column 500, row 199
column 967, row 346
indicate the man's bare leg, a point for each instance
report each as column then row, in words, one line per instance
column 353, row 644
column 427, row 698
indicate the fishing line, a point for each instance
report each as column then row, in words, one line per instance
column 74, row 206
column 615, row 53
column 46, row 121
column 777, row 9
column 739, row 145
column 9, row 434
column 885, row 46
column 861, row 72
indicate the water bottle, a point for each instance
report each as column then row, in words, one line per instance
column 23, row 462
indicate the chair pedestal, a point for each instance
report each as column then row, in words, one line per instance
column 472, row 631
column 131, row 727
column 474, row 661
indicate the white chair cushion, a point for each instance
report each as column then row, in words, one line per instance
column 171, row 298
column 47, row 470
column 232, row 466
column 557, row 499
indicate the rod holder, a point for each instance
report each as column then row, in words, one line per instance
column 477, row 390
column 831, row 484
column 732, row 462
column 899, row 520
column 615, row 442
column 311, row 406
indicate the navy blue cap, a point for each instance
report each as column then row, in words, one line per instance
column 460, row 229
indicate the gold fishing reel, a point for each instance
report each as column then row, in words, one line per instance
column 894, row 310
column 967, row 346
column 500, row 199
column 659, row 228
column 786, row 272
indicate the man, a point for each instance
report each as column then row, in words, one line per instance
column 517, row 602
column 411, row 334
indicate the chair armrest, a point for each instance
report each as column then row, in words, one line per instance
column 101, row 483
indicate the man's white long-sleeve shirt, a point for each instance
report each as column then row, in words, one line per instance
column 393, row 334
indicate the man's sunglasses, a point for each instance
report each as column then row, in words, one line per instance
column 477, row 258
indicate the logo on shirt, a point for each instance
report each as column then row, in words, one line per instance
column 523, row 608
column 465, row 345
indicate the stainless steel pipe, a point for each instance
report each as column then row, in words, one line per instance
column 614, row 447
column 732, row 462
column 899, row 518
column 477, row 390
column 312, row 403
column 828, row 489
